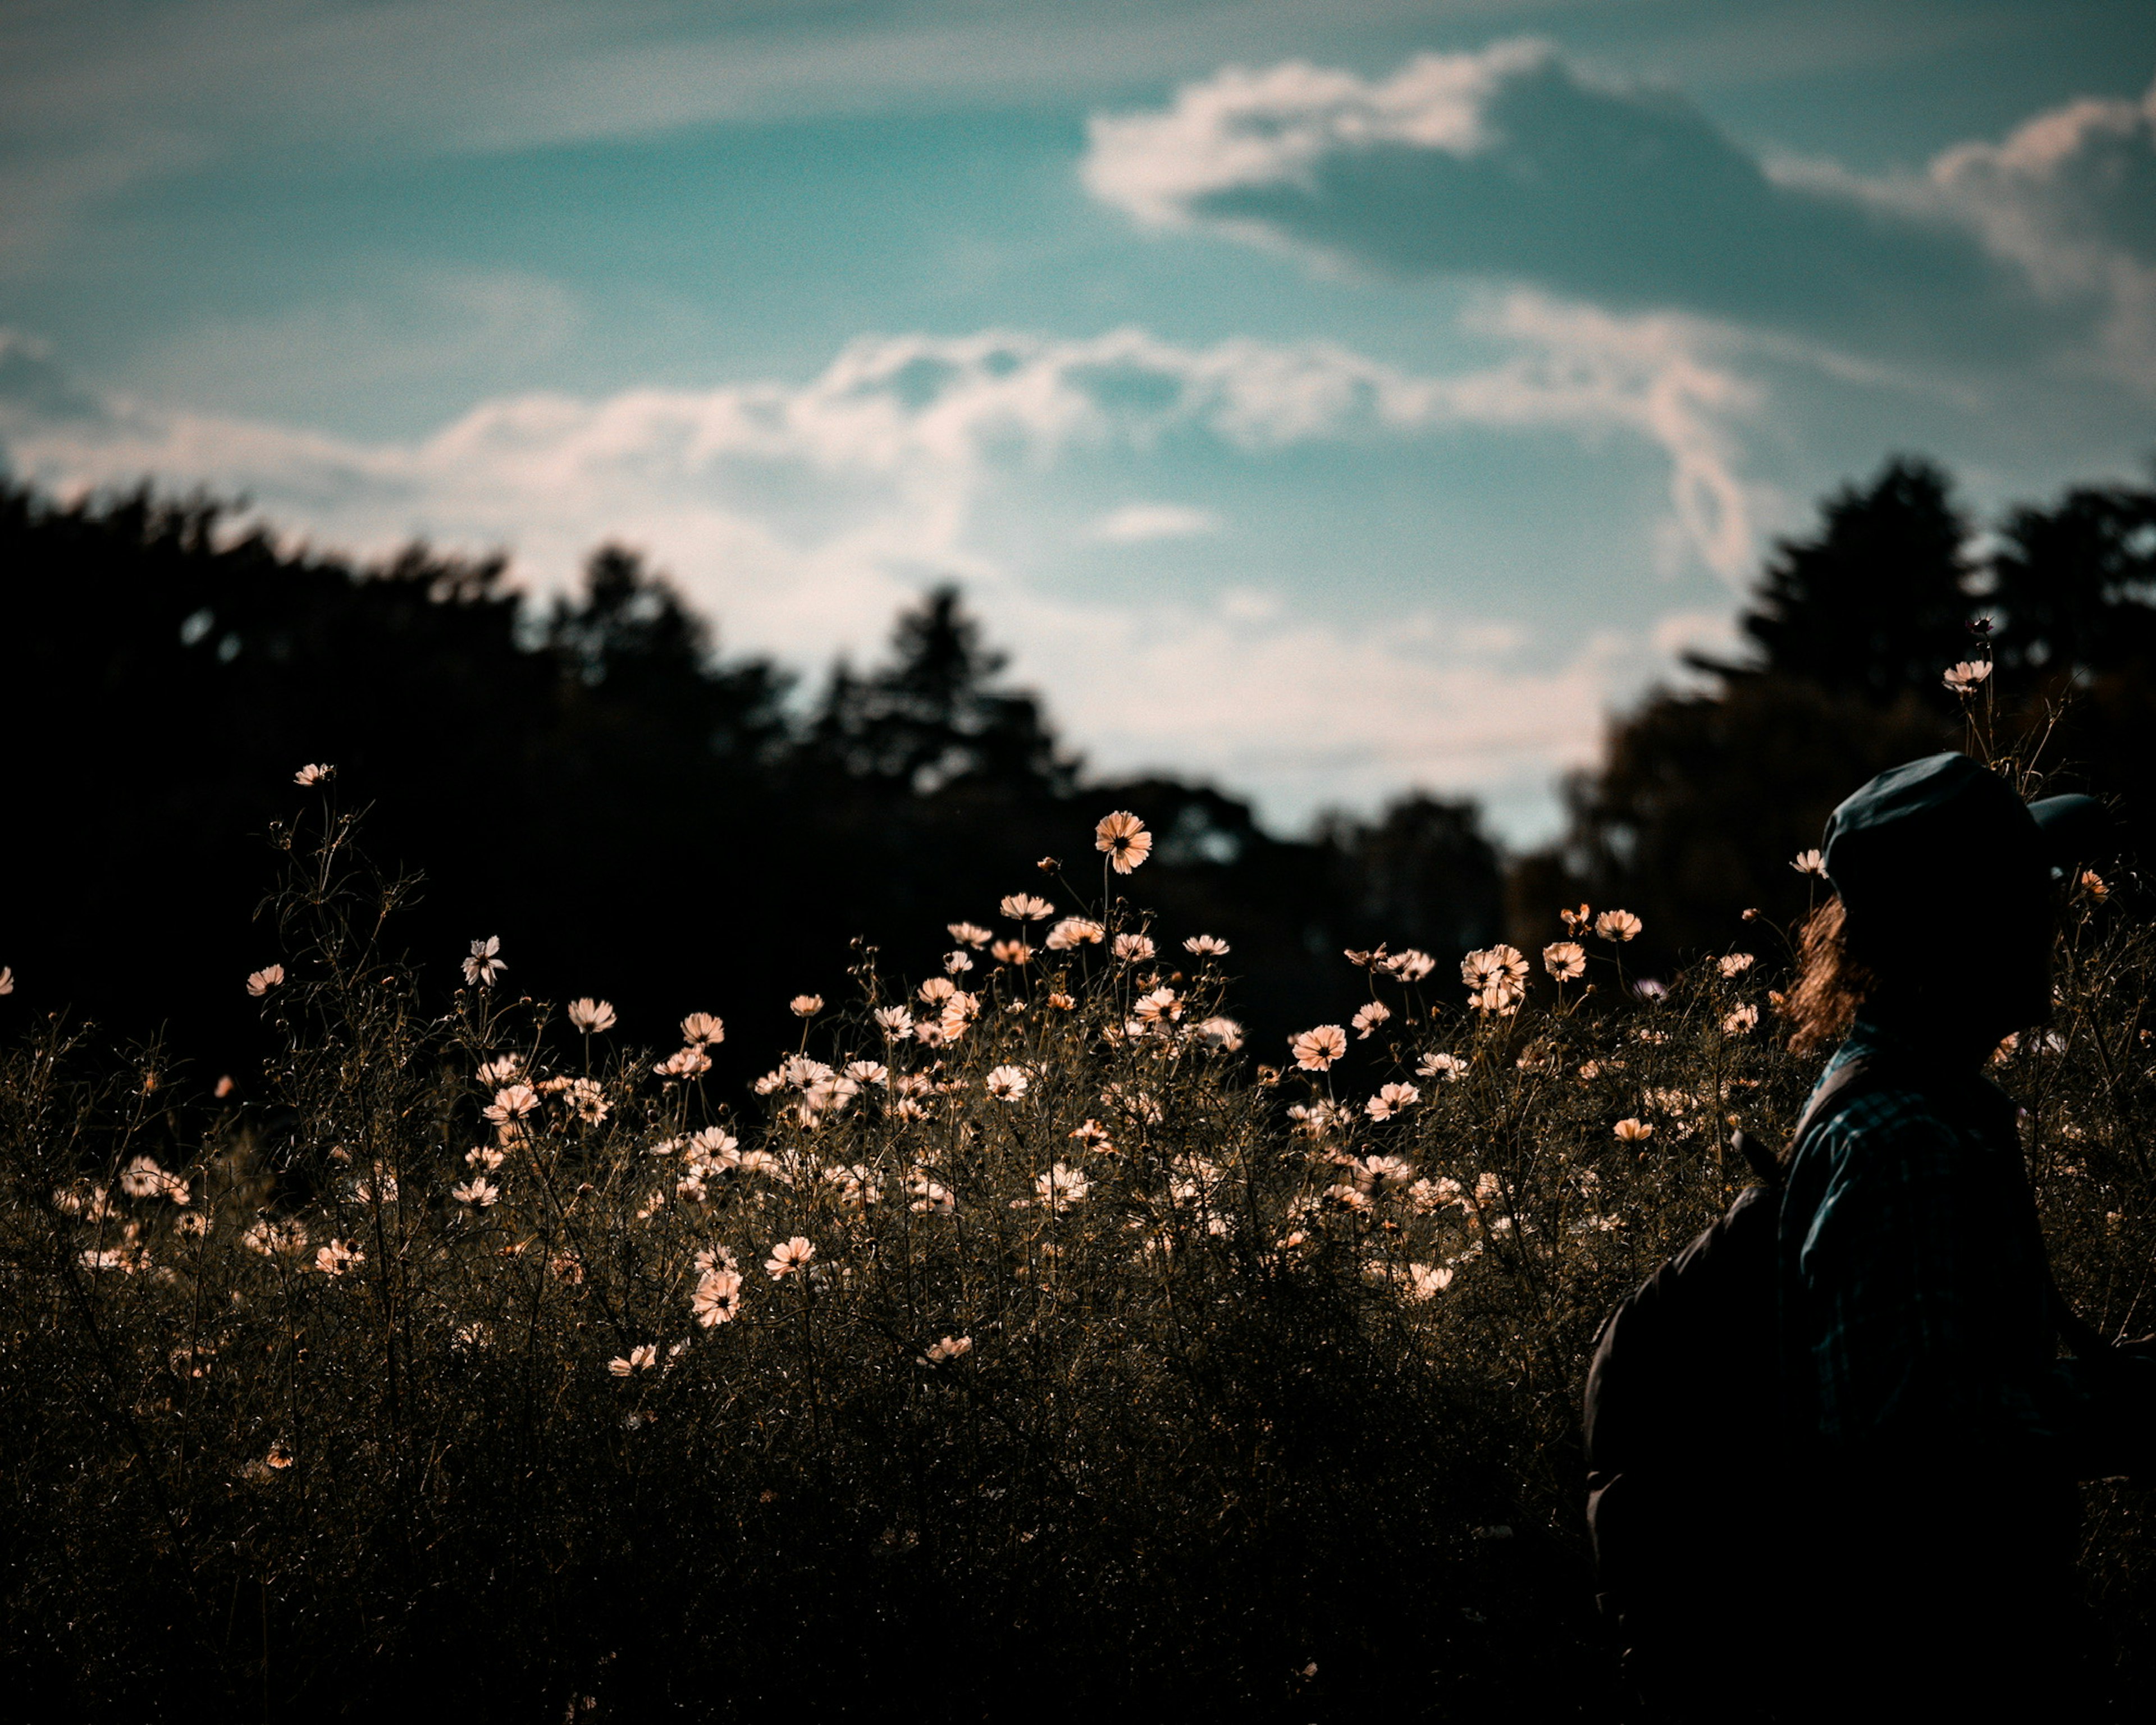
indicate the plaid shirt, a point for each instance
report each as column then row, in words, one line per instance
column 1915, row 1316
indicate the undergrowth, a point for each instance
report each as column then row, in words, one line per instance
column 1023, row 1347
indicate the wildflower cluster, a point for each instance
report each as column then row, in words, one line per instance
column 1010, row 1296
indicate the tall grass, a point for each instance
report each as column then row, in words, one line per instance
column 1038, row 1352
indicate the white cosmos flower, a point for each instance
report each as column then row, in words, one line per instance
column 1006, row 1084
column 1315, row 1050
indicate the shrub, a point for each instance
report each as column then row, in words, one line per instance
column 1020, row 1351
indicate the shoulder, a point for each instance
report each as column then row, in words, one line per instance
column 1883, row 1147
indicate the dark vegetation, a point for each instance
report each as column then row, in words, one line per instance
column 1227, row 1444
column 636, row 815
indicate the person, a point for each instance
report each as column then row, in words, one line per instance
column 1934, row 1432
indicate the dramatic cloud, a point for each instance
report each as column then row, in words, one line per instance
column 804, row 516
column 2071, row 198
column 1512, row 165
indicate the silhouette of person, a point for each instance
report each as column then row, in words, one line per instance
column 1935, row 1432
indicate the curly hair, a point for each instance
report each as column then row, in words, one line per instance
column 1831, row 981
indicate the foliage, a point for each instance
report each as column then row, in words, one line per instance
column 1027, row 1355
column 1702, row 795
column 593, row 779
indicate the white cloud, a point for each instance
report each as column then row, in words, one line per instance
column 1512, row 165
column 2070, row 197
column 1143, row 523
column 802, row 516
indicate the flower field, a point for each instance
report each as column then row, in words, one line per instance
column 1022, row 1344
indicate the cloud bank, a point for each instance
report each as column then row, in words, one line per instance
column 1512, row 165
column 802, row 516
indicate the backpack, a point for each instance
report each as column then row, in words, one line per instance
column 1682, row 1404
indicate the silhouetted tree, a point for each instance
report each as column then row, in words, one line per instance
column 2073, row 584
column 1874, row 603
column 634, row 813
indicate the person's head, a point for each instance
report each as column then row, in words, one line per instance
column 1942, row 917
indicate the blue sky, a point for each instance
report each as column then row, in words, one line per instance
column 1324, row 399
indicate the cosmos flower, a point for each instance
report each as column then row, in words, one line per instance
column 1159, row 1005
column 788, row 1256
column 1427, row 1280
column 481, row 967
column 1006, row 1084
column 270, row 1239
column 1368, row 1017
column 1072, row 931
column 1449, row 1067
column 1206, row 946
column 1391, row 1099
column 1092, row 1134
column 1500, row 965
column 1315, row 1050
column 703, row 1027
column 1565, row 960
column 336, row 1257
column 868, row 1072
column 1134, row 948
column 590, row 1016
column 936, row 990
column 1224, row 1035
column 805, row 1006
column 314, row 773
column 1967, row 677
column 1024, row 907
column 7, row 979
column 512, row 1102
column 1743, row 1019
column 476, row 1191
column 684, row 1064
column 1062, row 1184
column 1617, row 924
column 141, row 1177
column 717, row 1297
column 259, row 982
column 950, row 1348
column 1633, row 1132
column 1575, row 920
column 2093, row 883
column 1122, row 836
column 1410, row 966
column 1012, row 952
column 894, row 1021
column 928, row 1196
column 957, row 963
column 1735, row 964
column 588, row 1097
column 1810, row 862
column 970, row 934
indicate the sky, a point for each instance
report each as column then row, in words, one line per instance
column 1324, row 400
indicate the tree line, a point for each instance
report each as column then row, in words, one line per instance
column 639, row 815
